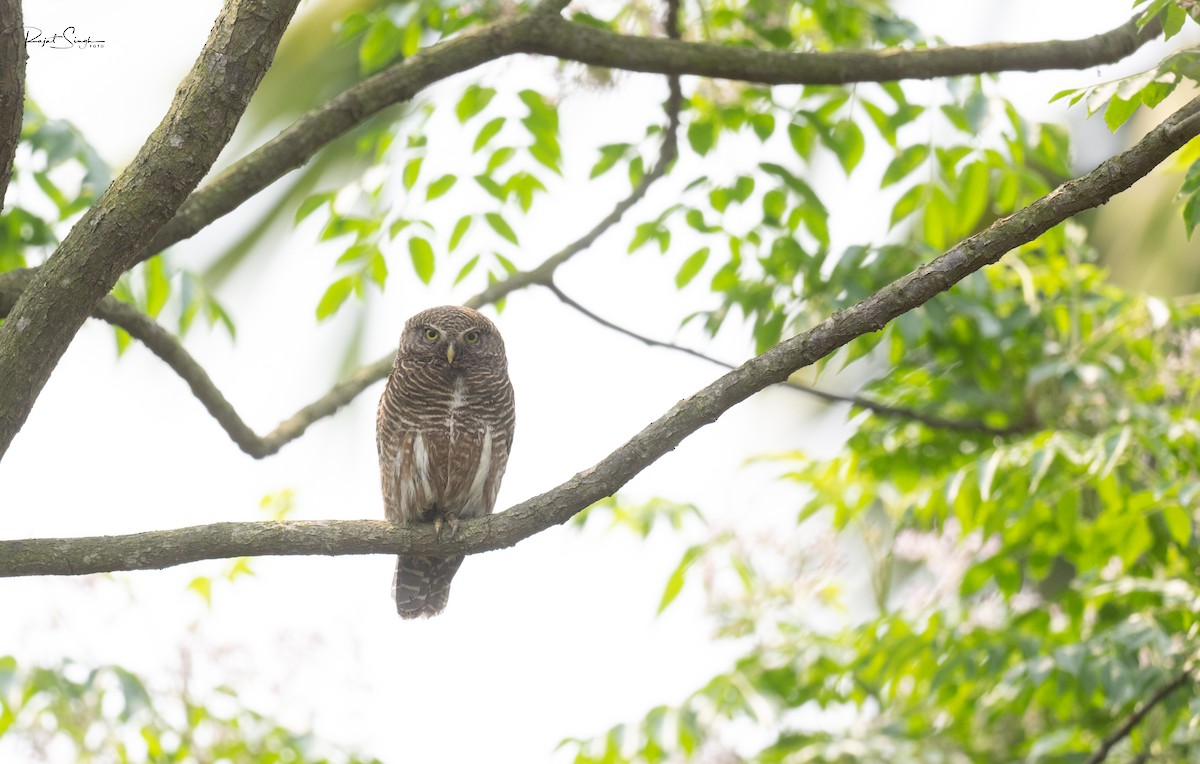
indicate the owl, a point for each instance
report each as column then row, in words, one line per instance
column 444, row 429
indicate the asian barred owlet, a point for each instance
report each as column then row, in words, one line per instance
column 444, row 429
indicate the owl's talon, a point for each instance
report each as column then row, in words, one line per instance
column 453, row 523
column 437, row 527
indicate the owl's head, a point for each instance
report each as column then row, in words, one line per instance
column 454, row 337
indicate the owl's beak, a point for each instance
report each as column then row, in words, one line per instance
column 450, row 354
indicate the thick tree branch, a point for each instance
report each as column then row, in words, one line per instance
column 546, row 32
column 115, row 231
column 164, row 345
column 1027, row 424
column 1135, row 718
column 164, row 548
column 299, row 142
column 168, row 348
column 598, row 47
column 12, row 87
column 150, row 216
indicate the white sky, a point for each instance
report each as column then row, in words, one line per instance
column 556, row 637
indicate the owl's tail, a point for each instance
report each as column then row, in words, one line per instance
column 422, row 584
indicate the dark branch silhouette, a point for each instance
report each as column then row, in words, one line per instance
column 114, row 232
column 152, row 204
column 171, row 351
column 164, row 548
column 1026, row 424
column 1135, row 718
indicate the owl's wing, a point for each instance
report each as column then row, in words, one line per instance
column 390, row 440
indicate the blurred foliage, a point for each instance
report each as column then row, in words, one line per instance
column 107, row 714
column 1026, row 592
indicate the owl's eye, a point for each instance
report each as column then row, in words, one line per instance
column 471, row 337
column 431, row 334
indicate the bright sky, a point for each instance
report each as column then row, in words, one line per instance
column 556, row 637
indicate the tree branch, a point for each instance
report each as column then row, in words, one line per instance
column 168, row 348
column 164, row 548
column 1135, row 718
column 598, row 47
column 298, row 143
column 1027, row 423
column 115, row 231
column 550, row 34
column 12, row 87
column 153, row 213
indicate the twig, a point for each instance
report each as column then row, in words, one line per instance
column 168, row 348
column 544, row 273
column 547, row 32
column 114, row 232
column 1027, row 423
column 152, row 203
column 556, row 506
column 1135, row 718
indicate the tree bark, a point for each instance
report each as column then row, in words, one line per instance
column 160, row 549
column 115, row 231
column 12, row 87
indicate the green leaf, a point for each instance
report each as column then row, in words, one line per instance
column 1179, row 523
column 466, row 269
column 487, row 132
column 1068, row 92
column 973, row 196
column 499, row 157
column 905, row 162
column 609, row 156
column 816, row 220
column 508, row 265
column 642, row 234
column 501, row 226
column 763, row 125
column 524, row 185
column 939, row 224
column 474, row 100
column 702, row 136
column 382, row 43
column 908, row 203
column 311, row 204
column 691, row 266
column 1172, row 20
column 637, row 171
column 158, row 287
column 1119, row 111
column 774, row 205
column 802, row 137
column 881, row 121
column 334, row 296
column 848, row 144
column 202, row 586
column 460, row 230
column 412, row 170
column 676, row 580
column 1191, row 213
column 440, row 187
column 410, row 43
column 421, row 253
column 398, row 225
column 548, row 154
column 492, row 187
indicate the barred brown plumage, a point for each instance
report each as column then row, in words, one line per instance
column 443, row 431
